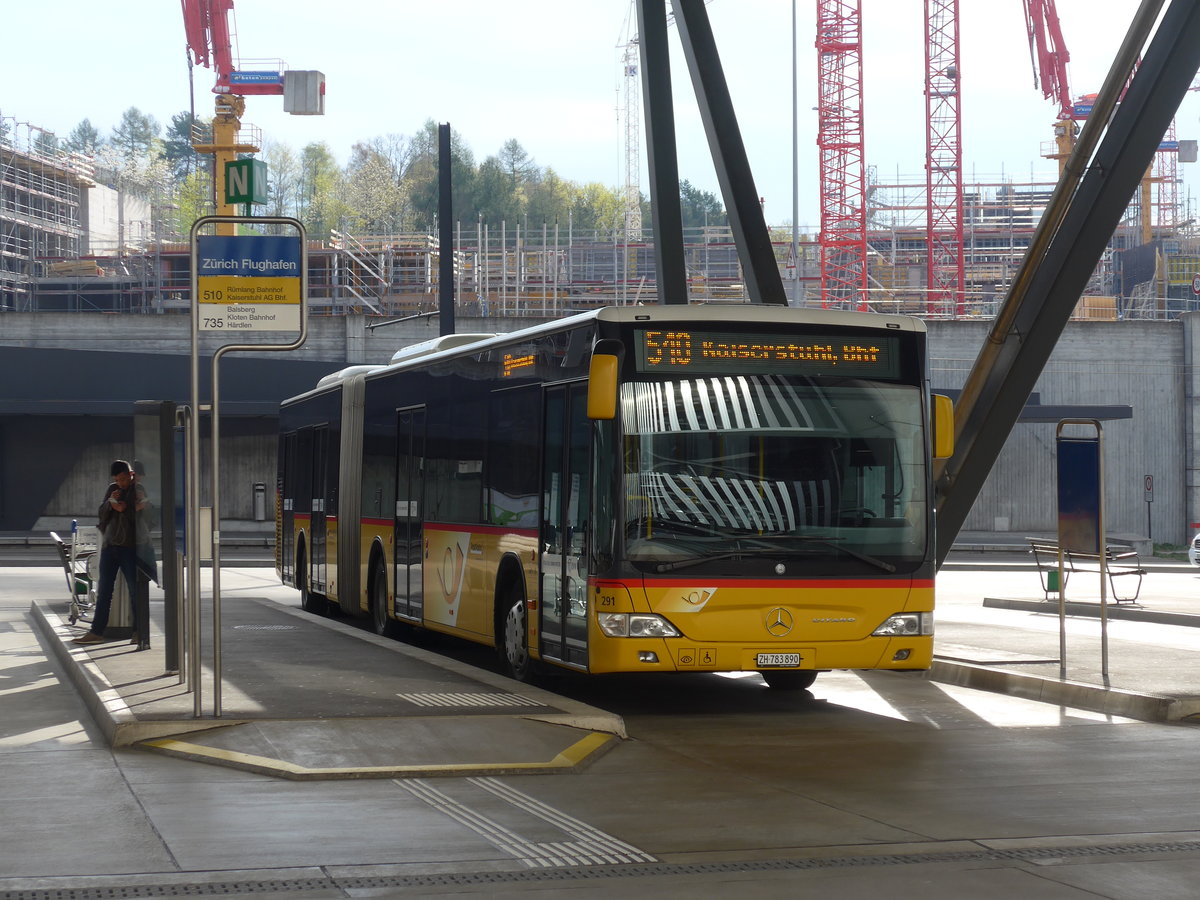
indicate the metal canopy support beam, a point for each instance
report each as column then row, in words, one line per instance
column 663, row 162
column 763, row 282
column 1046, row 291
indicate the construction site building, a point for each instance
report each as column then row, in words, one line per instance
column 42, row 199
column 68, row 243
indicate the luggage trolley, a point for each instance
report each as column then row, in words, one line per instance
column 81, row 561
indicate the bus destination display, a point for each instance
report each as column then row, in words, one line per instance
column 735, row 353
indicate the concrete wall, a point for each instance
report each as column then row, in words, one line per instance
column 107, row 214
column 1144, row 365
column 1147, row 365
column 343, row 340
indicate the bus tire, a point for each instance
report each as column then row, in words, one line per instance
column 309, row 602
column 513, row 643
column 380, row 623
column 789, row 679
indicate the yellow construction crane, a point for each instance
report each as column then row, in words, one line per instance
column 206, row 24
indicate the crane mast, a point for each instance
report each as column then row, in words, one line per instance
column 945, row 271
column 633, row 152
column 843, row 238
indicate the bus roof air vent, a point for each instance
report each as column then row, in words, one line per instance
column 343, row 374
column 437, row 345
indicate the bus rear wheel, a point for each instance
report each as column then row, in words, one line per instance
column 309, row 602
column 513, row 642
column 788, row 679
column 380, row 623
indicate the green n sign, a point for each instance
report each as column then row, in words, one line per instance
column 246, row 181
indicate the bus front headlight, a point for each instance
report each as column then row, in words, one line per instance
column 905, row 625
column 635, row 625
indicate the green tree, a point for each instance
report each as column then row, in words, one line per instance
column 518, row 165
column 136, row 134
column 495, row 199
column 46, row 143
column 177, row 143
column 376, row 197
column 319, row 204
column 283, row 179
column 700, row 208
column 421, row 176
column 550, row 199
column 596, row 208
column 146, row 176
column 84, row 138
column 193, row 199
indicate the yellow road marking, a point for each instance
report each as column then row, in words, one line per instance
column 568, row 758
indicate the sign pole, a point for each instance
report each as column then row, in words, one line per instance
column 1149, row 482
column 1081, row 517
column 251, row 283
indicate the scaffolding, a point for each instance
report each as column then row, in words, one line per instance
column 514, row 269
column 41, row 194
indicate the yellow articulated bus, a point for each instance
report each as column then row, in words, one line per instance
column 635, row 489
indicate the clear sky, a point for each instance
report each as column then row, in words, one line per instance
column 547, row 73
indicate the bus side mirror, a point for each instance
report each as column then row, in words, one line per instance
column 943, row 427
column 602, row 387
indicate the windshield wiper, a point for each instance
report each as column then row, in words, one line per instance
column 833, row 542
column 728, row 554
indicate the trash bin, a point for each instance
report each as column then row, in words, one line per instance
column 260, row 502
column 120, row 615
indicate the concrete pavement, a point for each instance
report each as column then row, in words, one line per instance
column 311, row 698
column 997, row 631
column 304, row 697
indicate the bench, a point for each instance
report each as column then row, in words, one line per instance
column 1119, row 562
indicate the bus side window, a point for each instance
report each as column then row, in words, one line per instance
column 512, row 481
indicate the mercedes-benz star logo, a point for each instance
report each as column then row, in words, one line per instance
column 779, row 621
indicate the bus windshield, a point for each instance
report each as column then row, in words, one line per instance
column 762, row 474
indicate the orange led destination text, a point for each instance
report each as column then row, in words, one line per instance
column 676, row 348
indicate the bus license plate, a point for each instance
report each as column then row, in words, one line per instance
column 773, row 660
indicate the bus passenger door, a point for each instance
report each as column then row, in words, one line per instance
column 409, row 549
column 286, row 538
column 566, row 493
column 319, row 572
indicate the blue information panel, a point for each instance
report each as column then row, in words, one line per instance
column 1079, row 495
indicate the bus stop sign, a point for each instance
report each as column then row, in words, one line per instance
column 248, row 282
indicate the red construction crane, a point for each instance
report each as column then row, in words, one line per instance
column 843, row 238
column 1049, row 55
column 206, row 25
column 945, row 271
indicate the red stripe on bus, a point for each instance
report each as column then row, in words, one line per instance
column 480, row 529
column 837, row 583
column 473, row 529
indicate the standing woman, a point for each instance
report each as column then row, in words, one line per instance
column 118, row 525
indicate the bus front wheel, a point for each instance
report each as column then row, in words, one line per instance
column 788, row 679
column 514, row 643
